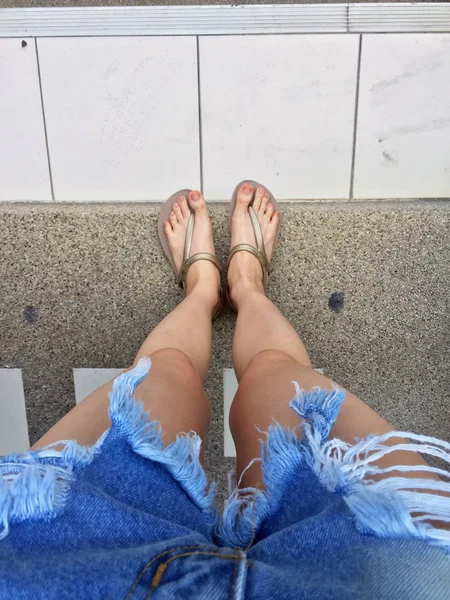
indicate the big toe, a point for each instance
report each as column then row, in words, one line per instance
column 244, row 197
column 197, row 201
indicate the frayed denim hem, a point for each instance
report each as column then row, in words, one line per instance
column 34, row 485
column 389, row 508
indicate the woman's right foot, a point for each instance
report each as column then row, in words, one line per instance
column 245, row 271
column 202, row 273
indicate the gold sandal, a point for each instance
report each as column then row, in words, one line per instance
column 259, row 251
column 188, row 260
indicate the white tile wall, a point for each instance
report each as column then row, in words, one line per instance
column 278, row 109
column 24, row 171
column 13, row 418
column 403, row 130
column 122, row 116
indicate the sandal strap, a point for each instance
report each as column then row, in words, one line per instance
column 188, row 238
column 188, row 262
column 258, row 235
column 247, row 248
column 259, row 252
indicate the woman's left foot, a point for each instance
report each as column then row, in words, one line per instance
column 201, row 273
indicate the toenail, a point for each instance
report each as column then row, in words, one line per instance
column 247, row 189
column 175, row 205
column 181, row 199
column 195, row 195
column 260, row 191
column 269, row 205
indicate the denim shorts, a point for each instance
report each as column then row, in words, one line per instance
column 130, row 519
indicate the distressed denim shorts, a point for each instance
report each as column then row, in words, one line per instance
column 130, row 519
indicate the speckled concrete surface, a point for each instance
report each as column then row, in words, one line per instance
column 81, row 285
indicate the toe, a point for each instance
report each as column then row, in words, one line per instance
column 173, row 219
column 184, row 206
column 269, row 211
column 177, row 210
column 168, row 228
column 257, row 201
column 244, row 196
column 264, row 202
column 272, row 226
column 197, row 201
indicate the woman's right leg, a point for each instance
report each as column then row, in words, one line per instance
column 268, row 356
column 179, row 347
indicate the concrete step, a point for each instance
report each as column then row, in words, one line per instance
column 364, row 284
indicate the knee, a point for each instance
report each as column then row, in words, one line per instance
column 174, row 355
column 267, row 378
column 265, row 362
column 176, row 363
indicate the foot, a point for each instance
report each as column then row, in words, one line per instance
column 202, row 273
column 245, row 270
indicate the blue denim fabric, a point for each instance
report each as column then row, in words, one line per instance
column 129, row 519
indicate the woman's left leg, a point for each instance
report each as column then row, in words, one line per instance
column 179, row 348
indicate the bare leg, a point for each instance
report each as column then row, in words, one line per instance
column 180, row 349
column 268, row 355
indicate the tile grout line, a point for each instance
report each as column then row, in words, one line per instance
column 355, row 118
column 44, row 120
column 200, row 131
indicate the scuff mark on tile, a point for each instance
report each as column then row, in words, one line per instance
column 416, row 128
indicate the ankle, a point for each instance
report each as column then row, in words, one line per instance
column 244, row 289
column 205, row 286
